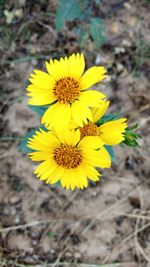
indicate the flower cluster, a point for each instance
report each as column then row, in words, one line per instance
column 73, row 143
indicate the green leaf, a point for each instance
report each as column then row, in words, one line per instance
column 23, row 145
column 107, row 118
column 111, row 153
column 67, row 11
column 83, row 36
column 97, row 31
column 97, row 2
column 84, row 39
column 50, row 234
column 40, row 110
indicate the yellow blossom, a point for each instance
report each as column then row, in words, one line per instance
column 64, row 89
column 68, row 158
column 111, row 132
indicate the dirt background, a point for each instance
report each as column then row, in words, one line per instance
column 108, row 223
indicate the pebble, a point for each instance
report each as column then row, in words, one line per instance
column 127, row 5
column 15, row 199
column 68, row 254
column 77, row 255
column 17, row 220
column 119, row 50
column 120, row 67
column 98, row 59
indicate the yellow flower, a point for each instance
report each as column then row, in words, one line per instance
column 64, row 88
column 111, row 132
column 68, row 158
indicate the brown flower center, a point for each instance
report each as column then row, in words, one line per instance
column 66, row 90
column 67, row 156
column 89, row 129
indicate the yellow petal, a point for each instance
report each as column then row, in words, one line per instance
column 74, row 137
column 36, row 89
column 42, row 80
column 91, row 98
column 81, row 177
column 98, row 113
column 39, row 96
column 47, row 173
column 76, row 65
column 91, row 172
column 49, row 115
column 99, row 158
column 39, row 155
column 69, row 137
column 39, row 147
column 73, row 178
column 66, row 67
column 56, row 175
column 58, row 69
column 58, row 115
column 112, row 132
column 67, row 180
column 43, row 167
column 80, row 113
column 104, row 158
column 92, row 76
column 73, row 125
column 43, row 141
column 90, row 142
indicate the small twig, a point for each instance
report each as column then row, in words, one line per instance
column 73, row 196
column 55, row 196
column 50, row 29
column 134, row 216
column 89, row 264
column 23, row 226
column 138, row 223
column 106, row 211
column 9, row 138
column 143, row 252
column 136, row 232
column 135, row 115
column 24, row 59
column 65, row 247
column 139, row 248
column 118, row 247
column 3, row 262
column 115, row 8
column 123, row 264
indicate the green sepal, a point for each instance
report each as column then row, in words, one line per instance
column 133, row 127
column 131, row 138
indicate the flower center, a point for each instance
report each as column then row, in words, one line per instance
column 89, row 129
column 67, row 156
column 66, row 90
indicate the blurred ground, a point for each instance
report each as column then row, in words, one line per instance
column 109, row 222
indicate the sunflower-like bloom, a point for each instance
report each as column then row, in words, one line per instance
column 111, row 132
column 64, row 88
column 68, row 158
